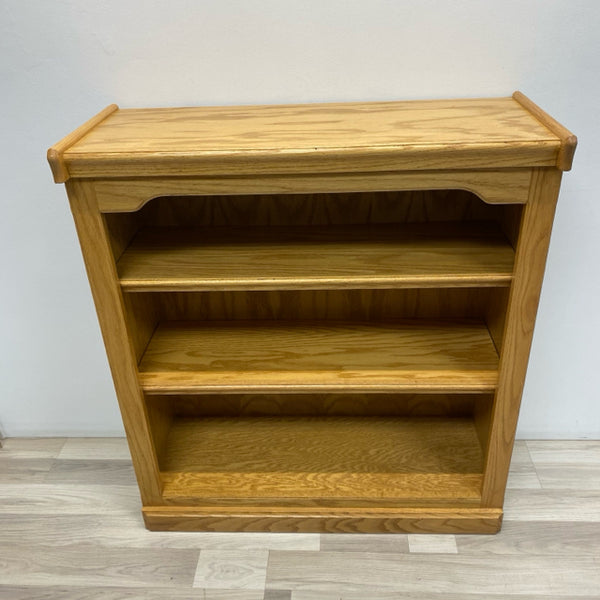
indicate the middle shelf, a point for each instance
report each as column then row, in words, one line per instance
column 418, row 355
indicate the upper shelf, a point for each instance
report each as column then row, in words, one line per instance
column 259, row 258
column 312, row 138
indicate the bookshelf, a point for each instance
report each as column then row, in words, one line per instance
column 318, row 317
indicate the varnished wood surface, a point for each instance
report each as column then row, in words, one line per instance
column 85, row 540
column 568, row 140
column 399, row 520
column 506, row 186
column 320, row 459
column 102, row 275
column 376, row 136
column 530, row 263
column 55, row 153
column 315, row 210
column 348, row 305
column 315, row 165
column 188, row 357
column 312, row 405
column 323, row 444
column 431, row 255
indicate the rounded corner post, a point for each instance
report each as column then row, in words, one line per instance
column 568, row 141
column 55, row 154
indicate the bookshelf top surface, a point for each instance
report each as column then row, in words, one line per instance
column 373, row 136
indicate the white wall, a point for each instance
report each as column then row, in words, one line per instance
column 62, row 61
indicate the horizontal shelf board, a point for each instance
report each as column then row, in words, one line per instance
column 322, row 458
column 296, row 356
column 313, row 138
column 259, row 258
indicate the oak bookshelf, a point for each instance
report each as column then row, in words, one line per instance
column 318, row 317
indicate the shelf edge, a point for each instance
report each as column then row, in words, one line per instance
column 55, row 154
column 568, row 141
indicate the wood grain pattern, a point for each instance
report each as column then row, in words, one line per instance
column 103, row 279
column 323, row 445
column 314, row 210
column 520, row 320
column 81, row 565
column 335, row 305
column 507, row 186
column 243, row 569
column 566, row 153
column 366, row 575
column 253, row 372
column 271, row 356
column 543, row 531
column 307, row 520
column 340, row 405
column 55, row 153
column 434, row 255
column 374, row 136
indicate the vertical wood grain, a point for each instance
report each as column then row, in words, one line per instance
column 530, row 261
column 101, row 270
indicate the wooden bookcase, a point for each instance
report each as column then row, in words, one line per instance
column 318, row 317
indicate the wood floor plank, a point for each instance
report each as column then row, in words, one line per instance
column 522, row 474
column 566, row 464
column 342, row 572
column 57, row 499
column 341, row 542
column 577, row 452
column 24, row 470
column 232, row 569
column 552, row 505
column 107, row 530
column 60, row 592
column 31, row 447
column 84, row 565
column 541, row 538
column 272, row 594
column 432, row 544
column 101, row 471
column 427, row 595
column 95, row 449
column 569, row 477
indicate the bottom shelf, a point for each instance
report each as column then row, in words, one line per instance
column 349, row 462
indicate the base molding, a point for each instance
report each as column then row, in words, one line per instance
column 323, row 520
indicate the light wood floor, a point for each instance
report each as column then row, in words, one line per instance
column 70, row 528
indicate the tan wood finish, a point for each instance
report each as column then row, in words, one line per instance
column 348, row 304
column 568, row 140
column 55, row 153
column 318, row 356
column 376, row 136
column 318, row 317
column 101, row 272
column 312, row 405
column 510, row 186
column 322, row 459
column 435, row 255
column 530, row 262
column 363, row 520
column 323, row 445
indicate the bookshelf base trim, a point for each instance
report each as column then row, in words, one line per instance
column 324, row 520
